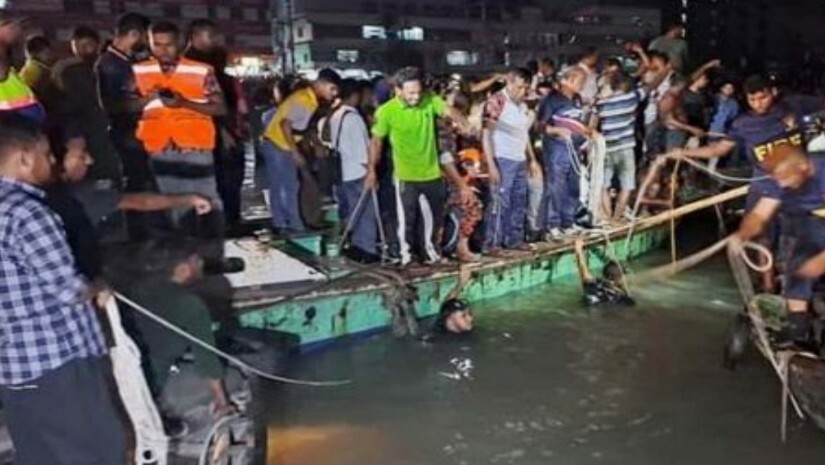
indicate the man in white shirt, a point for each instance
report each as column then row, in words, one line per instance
column 350, row 142
column 510, row 157
column 589, row 63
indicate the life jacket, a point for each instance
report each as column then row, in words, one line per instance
column 471, row 162
column 162, row 127
column 17, row 97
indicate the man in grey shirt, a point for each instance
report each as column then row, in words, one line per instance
column 350, row 141
column 672, row 43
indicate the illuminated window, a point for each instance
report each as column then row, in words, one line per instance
column 462, row 58
column 411, row 33
column 347, row 56
column 374, row 32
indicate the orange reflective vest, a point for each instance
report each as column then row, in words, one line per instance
column 161, row 127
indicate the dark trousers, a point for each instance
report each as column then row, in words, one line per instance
column 508, row 213
column 364, row 232
column 561, row 187
column 229, row 167
column 65, row 417
column 138, row 178
column 421, row 209
column 387, row 204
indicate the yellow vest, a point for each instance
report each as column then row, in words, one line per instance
column 303, row 97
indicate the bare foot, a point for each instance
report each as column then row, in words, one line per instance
column 467, row 257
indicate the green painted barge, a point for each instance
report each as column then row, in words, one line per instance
column 353, row 301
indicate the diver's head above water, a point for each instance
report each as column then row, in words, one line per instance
column 613, row 272
column 455, row 317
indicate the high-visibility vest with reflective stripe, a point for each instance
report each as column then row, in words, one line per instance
column 161, row 127
column 15, row 94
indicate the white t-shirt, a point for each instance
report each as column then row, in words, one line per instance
column 350, row 137
column 652, row 109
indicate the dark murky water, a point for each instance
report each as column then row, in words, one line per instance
column 550, row 382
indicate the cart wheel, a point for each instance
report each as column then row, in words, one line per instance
column 736, row 345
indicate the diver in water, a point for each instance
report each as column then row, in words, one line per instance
column 454, row 318
column 609, row 289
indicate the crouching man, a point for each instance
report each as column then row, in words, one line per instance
column 169, row 267
column 801, row 201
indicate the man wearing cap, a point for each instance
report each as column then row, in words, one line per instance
column 15, row 95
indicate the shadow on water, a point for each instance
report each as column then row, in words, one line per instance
column 549, row 381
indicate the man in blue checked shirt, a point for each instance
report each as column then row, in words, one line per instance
column 52, row 349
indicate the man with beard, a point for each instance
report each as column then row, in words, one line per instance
column 408, row 121
column 114, row 78
column 203, row 45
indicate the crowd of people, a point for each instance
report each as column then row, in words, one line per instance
column 142, row 140
column 424, row 167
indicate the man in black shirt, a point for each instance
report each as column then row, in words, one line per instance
column 75, row 80
column 203, row 45
column 609, row 289
column 91, row 209
column 115, row 78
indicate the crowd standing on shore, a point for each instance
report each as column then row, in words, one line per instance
column 142, row 140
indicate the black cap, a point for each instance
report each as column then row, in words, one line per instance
column 454, row 305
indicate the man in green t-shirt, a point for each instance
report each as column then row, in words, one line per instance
column 409, row 121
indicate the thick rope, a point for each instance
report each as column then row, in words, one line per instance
column 229, row 358
column 721, row 177
column 204, row 458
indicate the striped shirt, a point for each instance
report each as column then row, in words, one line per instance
column 618, row 119
column 45, row 320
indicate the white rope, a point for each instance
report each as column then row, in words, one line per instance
column 720, row 176
column 761, row 250
column 229, row 358
column 204, row 457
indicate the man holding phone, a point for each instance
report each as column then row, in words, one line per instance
column 180, row 98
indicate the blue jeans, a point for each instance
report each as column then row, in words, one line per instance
column 535, row 187
column 284, row 188
column 561, row 187
column 508, row 213
column 364, row 233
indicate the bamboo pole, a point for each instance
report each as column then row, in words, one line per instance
column 674, row 178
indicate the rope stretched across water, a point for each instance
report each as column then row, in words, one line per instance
column 229, row 358
column 679, row 266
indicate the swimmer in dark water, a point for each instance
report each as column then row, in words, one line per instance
column 454, row 318
column 609, row 289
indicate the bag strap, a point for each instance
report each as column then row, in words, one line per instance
column 347, row 112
